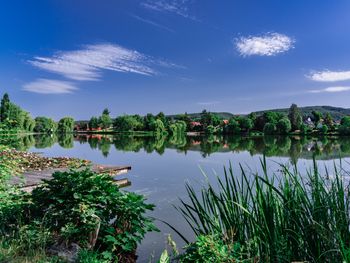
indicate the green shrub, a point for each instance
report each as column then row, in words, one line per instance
column 76, row 203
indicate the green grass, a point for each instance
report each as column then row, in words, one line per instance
column 276, row 217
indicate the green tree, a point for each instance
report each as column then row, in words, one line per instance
column 272, row 117
column 28, row 122
column 283, row 126
column 105, row 121
column 127, row 123
column 344, row 127
column 252, row 116
column 45, row 125
column 304, row 129
column 4, row 107
column 233, row 127
column 93, row 123
column 163, row 118
column 147, row 121
column 323, row 129
column 15, row 117
column 208, row 118
column 65, row 125
column 316, row 116
column 295, row 117
column 246, row 124
column 328, row 120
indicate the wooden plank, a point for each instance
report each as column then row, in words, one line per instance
column 32, row 178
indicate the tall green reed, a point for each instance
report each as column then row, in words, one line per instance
column 279, row 216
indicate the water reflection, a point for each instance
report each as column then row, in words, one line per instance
column 293, row 147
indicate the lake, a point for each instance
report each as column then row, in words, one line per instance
column 161, row 166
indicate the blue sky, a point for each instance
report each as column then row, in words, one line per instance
column 77, row 57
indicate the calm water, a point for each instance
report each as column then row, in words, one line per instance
column 161, row 166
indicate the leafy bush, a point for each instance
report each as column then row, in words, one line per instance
column 76, row 204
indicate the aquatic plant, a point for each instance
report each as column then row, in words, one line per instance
column 279, row 216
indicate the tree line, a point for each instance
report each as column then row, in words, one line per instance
column 13, row 119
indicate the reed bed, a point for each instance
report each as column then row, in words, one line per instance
column 282, row 216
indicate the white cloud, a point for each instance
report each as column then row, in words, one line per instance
column 331, row 90
column 179, row 7
column 150, row 22
column 87, row 63
column 48, row 86
column 266, row 45
column 330, row 76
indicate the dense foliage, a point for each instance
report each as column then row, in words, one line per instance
column 13, row 118
column 45, row 125
column 65, row 125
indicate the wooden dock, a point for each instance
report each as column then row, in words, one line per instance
column 33, row 179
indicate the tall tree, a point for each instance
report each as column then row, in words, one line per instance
column 5, row 108
column 93, row 123
column 328, row 120
column 295, row 117
column 45, row 125
column 283, row 126
column 316, row 116
column 105, row 121
column 65, row 125
column 246, row 124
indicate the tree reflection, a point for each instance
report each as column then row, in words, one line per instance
column 66, row 140
column 293, row 147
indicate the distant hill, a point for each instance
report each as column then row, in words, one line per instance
column 336, row 112
column 224, row 115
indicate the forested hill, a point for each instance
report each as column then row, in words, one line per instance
column 336, row 112
column 224, row 115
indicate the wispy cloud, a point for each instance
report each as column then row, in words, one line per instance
column 265, row 45
column 48, row 86
column 331, row 89
column 150, row 22
column 178, row 7
column 87, row 63
column 330, row 76
column 208, row 103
